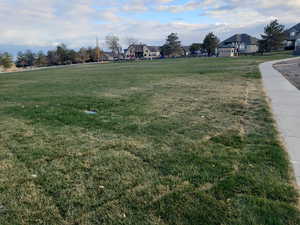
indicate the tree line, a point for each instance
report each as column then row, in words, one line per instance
column 272, row 39
column 60, row 56
column 173, row 48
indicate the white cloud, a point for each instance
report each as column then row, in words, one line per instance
column 78, row 22
column 191, row 5
column 135, row 6
column 110, row 16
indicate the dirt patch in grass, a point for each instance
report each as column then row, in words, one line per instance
column 290, row 70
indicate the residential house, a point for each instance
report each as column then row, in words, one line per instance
column 292, row 35
column 108, row 56
column 238, row 44
column 186, row 51
column 142, row 51
column 226, row 51
column 297, row 47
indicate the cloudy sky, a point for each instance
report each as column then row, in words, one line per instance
column 42, row 24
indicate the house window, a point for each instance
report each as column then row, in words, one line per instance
column 293, row 34
column 242, row 46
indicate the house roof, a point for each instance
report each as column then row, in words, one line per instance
column 241, row 38
column 137, row 48
column 140, row 48
column 154, row 48
column 295, row 28
column 227, row 46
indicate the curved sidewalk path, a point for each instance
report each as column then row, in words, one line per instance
column 285, row 102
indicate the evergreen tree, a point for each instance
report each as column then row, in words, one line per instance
column 262, row 46
column 210, row 43
column 273, row 37
column 172, row 47
column 62, row 54
column 165, row 50
column 6, row 60
column 30, row 58
column 196, row 47
column 41, row 59
column 73, row 57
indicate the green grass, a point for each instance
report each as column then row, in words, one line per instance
column 177, row 142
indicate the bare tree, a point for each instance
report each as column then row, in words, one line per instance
column 113, row 44
column 83, row 55
column 132, row 41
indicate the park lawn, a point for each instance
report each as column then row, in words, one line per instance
column 174, row 142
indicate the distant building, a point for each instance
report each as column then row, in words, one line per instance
column 292, row 35
column 238, row 44
column 226, row 51
column 142, row 51
column 186, row 50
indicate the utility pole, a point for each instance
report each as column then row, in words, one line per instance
column 97, row 50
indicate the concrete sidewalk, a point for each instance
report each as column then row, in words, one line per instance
column 285, row 103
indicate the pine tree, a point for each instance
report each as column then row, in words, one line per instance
column 62, row 53
column 6, row 60
column 196, row 47
column 273, row 36
column 210, row 43
column 172, row 47
column 30, row 58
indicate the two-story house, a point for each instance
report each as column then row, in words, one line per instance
column 238, row 44
column 142, row 51
column 292, row 35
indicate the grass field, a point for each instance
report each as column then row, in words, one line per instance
column 174, row 142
